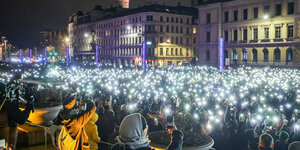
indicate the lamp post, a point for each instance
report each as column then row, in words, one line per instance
column 30, row 55
column 221, row 54
column 21, row 55
column 97, row 55
column 67, row 40
column 45, row 55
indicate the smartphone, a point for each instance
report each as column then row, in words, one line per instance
column 170, row 122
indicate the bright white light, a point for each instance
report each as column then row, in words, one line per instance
column 86, row 35
column 266, row 16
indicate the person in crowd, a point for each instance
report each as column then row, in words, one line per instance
column 11, row 116
column 92, row 132
column 73, row 135
column 266, row 142
column 251, row 140
column 282, row 142
column 133, row 135
column 294, row 145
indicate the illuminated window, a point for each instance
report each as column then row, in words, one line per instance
column 172, row 51
column 245, row 57
column 194, row 30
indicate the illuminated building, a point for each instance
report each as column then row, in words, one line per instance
column 121, row 32
column 256, row 32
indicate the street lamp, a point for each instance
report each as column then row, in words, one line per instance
column 266, row 16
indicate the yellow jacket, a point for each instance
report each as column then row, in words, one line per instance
column 92, row 132
column 73, row 135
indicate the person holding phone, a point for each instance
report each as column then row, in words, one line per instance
column 133, row 134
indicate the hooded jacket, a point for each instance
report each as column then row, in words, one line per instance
column 92, row 132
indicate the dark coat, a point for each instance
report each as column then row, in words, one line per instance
column 279, row 145
column 176, row 143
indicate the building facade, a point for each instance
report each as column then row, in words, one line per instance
column 120, row 34
column 256, row 32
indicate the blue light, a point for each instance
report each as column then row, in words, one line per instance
column 97, row 54
column 67, row 55
column 221, row 54
column 30, row 54
column 45, row 55
column 144, row 55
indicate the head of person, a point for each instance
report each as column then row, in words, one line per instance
column 133, row 131
column 294, row 146
column 266, row 142
column 283, row 136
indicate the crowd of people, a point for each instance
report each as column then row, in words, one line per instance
column 243, row 108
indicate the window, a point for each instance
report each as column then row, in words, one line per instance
column 172, row 51
column 278, row 32
column 226, row 54
column 176, row 29
column 267, row 10
column 161, row 39
column 150, row 18
column 194, row 30
column 291, row 8
column 235, row 35
column 172, row 29
column 181, row 29
column 266, row 32
column 289, row 55
column 277, row 54
column 167, row 52
column 176, row 40
column 188, row 30
column 161, row 51
column 168, row 29
column 208, row 18
column 235, row 15
column 245, row 57
column 176, row 52
column 187, row 52
column 245, row 14
column 207, row 36
column 245, row 35
column 290, row 31
column 278, row 10
column 172, row 19
column 187, row 41
column 255, row 13
column 187, row 21
column 167, row 19
column 235, row 54
column 207, row 55
column 226, row 16
column 161, row 29
column 176, row 20
column 254, row 52
column 181, row 40
column 181, row 20
column 255, row 34
column 226, row 35
column 161, row 19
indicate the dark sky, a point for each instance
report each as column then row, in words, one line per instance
column 21, row 20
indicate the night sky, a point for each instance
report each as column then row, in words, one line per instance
column 22, row 20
